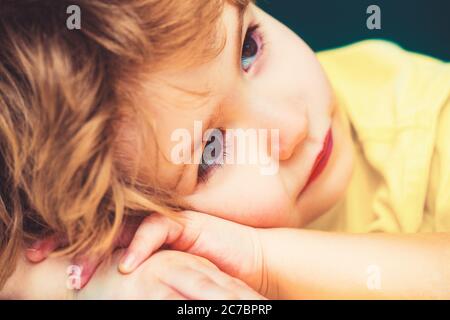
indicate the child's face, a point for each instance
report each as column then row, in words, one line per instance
column 275, row 83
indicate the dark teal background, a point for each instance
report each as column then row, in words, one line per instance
column 416, row 25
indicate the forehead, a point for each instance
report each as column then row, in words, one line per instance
column 200, row 76
column 196, row 87
column 175, row 98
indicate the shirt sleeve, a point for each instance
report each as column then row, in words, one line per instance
column 437, row 207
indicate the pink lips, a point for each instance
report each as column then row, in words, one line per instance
column 322, row 159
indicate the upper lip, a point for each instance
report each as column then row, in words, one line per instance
column 321, row 159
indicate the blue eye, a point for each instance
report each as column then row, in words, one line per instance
column 250, row 49
column 213, row 154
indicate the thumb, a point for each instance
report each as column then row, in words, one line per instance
column 233, row 247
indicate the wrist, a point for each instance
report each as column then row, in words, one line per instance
column 269, row 277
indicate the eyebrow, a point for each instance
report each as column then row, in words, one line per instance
column 216, row 114
column 241, row 12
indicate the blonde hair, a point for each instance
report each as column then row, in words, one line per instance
column 62, row 97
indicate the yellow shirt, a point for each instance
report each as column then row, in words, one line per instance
column 398, row 107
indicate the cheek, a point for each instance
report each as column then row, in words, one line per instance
column 244, row 196
column 294, row 66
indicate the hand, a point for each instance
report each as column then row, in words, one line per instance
column 41, row 249
column 234, row 248
column 171, row 275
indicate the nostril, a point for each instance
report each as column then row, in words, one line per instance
column 292, row 136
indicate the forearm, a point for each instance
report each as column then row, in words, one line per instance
column 308, row 264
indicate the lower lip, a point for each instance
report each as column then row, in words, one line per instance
column 322, row 159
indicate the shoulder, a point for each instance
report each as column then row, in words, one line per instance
column 438, row 197
column 379, row 60
column 373, row 50
column 384, row 86
column 397, row 103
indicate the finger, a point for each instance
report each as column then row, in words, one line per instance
column 244, row 291
column 153, row 232
column 225, row 243
column 229, row 283
column 196, row 285
column 168, row 294
column 247, row 292
column 88, row 265
column 175, row 296
column 40, row 249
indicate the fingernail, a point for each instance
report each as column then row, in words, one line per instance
column 128, row 262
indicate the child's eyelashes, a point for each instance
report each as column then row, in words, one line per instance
column 214, row 152
column 213, row 155
column 251, row 47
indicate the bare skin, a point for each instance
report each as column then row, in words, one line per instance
column 258, row 240
column 169, row 275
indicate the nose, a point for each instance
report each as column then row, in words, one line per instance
column 289, row 117
column 293, row 131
